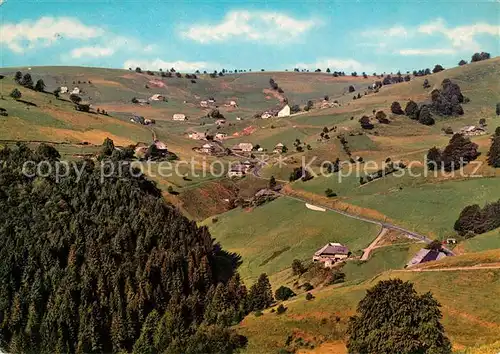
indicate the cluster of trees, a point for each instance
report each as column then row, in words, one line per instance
column 422, row 114
column 405, row 322
column 447, row 101
column 422, row 72
column 459, row 152
column 494, row 152
column 274, row 85
column 474, row 220
column 215, row 114
column 388, row 80
column 94, row 264
column 480, row 56
column 27, row 81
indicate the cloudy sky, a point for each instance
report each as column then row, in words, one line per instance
column 274, row 35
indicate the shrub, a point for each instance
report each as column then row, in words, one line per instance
column 309, row 296
column 425, row 116
column 15, row 94
column 382, row 117
column 396, row 108
column 365, row 123
column 281, row 309
column 307, row 286
column 437, row 68
column 330, row 193
column 283, row 293
column 297, row 267
column 426, row 84
column 411, row 109
column 258, row 313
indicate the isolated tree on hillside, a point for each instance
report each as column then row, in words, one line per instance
column 27, row 81
column 426, row 84
column 40, row 86
column 18, row 76
column 297, row 267
column 108, row 146
column 138, row 70
column 425, row 116
column 328, row 70
column 283, row 293
column 462, row 62
column 396, row 108
column 494, row 152
column 437, row 68
column 434, row 159
column 411, row 109
column 498, row 109
column 365, row 123
column 405, row 322
column 15, row 94
column 351, row 88
column 260, row 296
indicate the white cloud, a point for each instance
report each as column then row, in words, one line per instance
column 438, row 51
column 270, row 27
column 395, row 31
column 178, row 65
column 44, row 31
column 335, row 64
column 461, row 36
column 92, row 52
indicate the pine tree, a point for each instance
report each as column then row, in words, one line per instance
column 15, row 94
column 27, row 81
column 272, row 183
column 18, row 76
column 40, row 86
column 261, row 295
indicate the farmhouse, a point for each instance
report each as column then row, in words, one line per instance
column 196, row 135
column 266, row 115
column 472, row 130
column 220, row 122
column 160, row 145
column 425, row 255
column 204, row 104
column 278, row 149
column 207, row 148
column 220, row 136
column 142, row 101
column 179, row 117
column 157, row 97
column 242, row 147
column 76, row 91
column 284, row 112
column 237, row 171
column 63, row 89
column 331, row 253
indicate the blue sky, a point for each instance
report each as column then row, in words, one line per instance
column 274, row 35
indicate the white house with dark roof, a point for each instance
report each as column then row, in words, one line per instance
column 331, row 253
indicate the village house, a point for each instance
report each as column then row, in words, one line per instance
column 196, row 135
column 237, row 171
column 207, row 148
column 142, row 101
column 331, row 253
column 242, row 147
column 232, row 104
column 238, row 118
column 247, row 165
column 220, row 136
column 425, row 255
column 220, row 122
column 284, row 112
column 63, row 89
column 76, row 91
column 160, row 145
column 473, row 130
column 266, row 115
column 204, row 104
column 278, row 149
column 179, row 117
column 157, row 97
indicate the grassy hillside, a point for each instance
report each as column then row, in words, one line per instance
column 471, row 318
column 270, row 237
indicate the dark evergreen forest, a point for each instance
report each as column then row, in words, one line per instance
column 89, row 266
